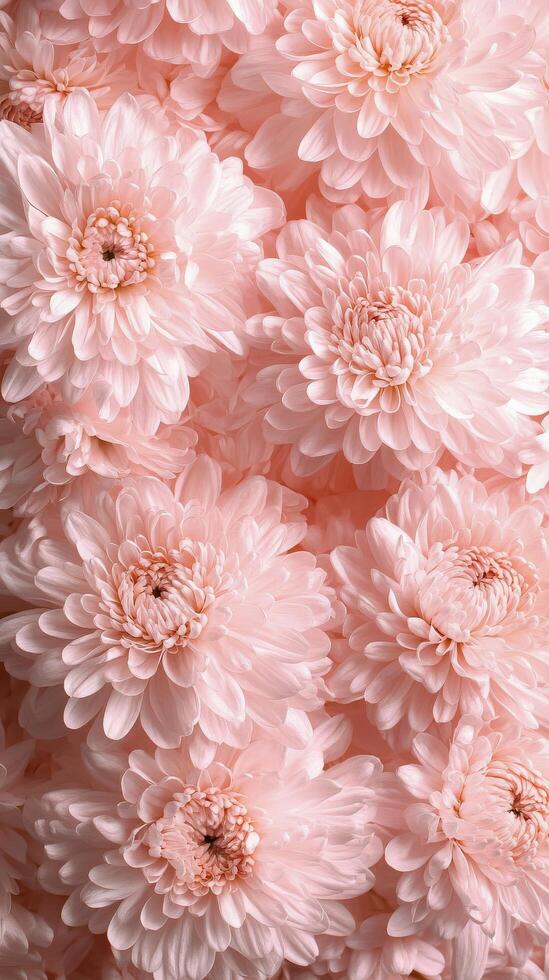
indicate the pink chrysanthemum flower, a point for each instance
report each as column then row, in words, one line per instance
column 48, row 447
column 474, row 860
column 216, row 872
column 126, row 257
column 448, row 607
column 184, row 608
column 177, row 31
column 399, row 94
column 385, row 344
column 32, row 71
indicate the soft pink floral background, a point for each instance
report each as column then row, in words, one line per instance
column 274, row 489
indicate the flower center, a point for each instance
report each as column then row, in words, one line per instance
column 207, row 837
column 23, row 102
column 472, row 589
column 397, row 37
column 16, row 110
column 386, row 338
column 113, row 250
column 521, row 796
column 164, row 597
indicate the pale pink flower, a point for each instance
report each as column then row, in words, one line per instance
column 410, row 95
column 474, row 860
column 48, row 447
column 448, row 608
column 126, row 258
column 218, row 872
column 184, row 608
column 178, row 31
column 385, row 345
column 32, row 71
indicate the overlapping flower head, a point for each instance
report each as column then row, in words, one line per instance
column 133, row 254
column 407, row 98
column 274, row 489
column 388, row 348
column 200, row 871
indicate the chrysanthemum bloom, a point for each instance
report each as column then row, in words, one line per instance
column 195, row 31
column 33, row 71
column 126, row 257
column 448, row 606
column 474, row 860
column 181, row 608
column 382, row 341
column 218, row 872
column 400, row 94
column 47, row 447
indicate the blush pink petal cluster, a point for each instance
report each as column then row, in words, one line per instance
column 25, row 938
column 177, row 31
column 185, row 608
column 14, row 860
column 274, row 490
column 537, row 455
column 126, row 257
column 215, row 872
column 48, row 448
column 369, row 953
column 447, row 606
column 474, row 857
column 383, row 339
column 402, row 96
column 33, row 71
column 521, row 960
column 527, row 171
